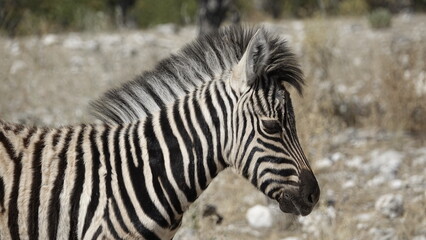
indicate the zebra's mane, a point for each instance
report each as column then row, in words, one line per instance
column 198, row 62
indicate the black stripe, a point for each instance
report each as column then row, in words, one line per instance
column 54, row 203
column 242, row 131
column 107, row 156
column 34, row 202
column 129, row 158
column 138, row 182
column 8, row 146
column 212, row 168
column 219, row 98
column 94, row 198
column 107, row 218
column 27, row 138
column 153, row 94
column 108, row 177
column 271, row 160
column 217, row 123
column 259, row 104
column 270, row 146
column 156, row 163
column 97, row 233
column 197, row 147
column 246, row 147
column 277, row 171
column 12, row 220
column 55, row 138
column 188, row 145
column 219, row 57
column 267, row 182
column 175, row 156
column 122, row 188
column 2, row 209
column 249, row 159
column 79, row 178
column 18, row 129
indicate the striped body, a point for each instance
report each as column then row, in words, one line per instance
column 131, row 181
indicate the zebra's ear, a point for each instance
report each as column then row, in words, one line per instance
column 254, row 59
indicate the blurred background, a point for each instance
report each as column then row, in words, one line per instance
column 362, row 119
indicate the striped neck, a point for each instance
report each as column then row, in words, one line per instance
column 188, row 142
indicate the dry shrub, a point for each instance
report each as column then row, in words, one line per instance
column 401, row 101
column 318, row 44
column 315, row 110
column 353, row 7
column 413, row 218
column 380, row 18
column 315, row 121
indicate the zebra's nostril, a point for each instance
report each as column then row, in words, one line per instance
column 311, row 198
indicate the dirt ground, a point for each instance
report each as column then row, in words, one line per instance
column 372, row 174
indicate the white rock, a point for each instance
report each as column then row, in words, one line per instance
column 349, row 184
column 91, row 45
column 362, row 226
column 324, row 163
column 335, row 157
column 417, row 180
column 364, row 217
column 357, row 61
column 259, row 217
column 396, row 184
column 417, row 183
column 167, row 29
column 49, row 39
column 76, row 43
column 355, row 162
column 17, row 66
column 109, row 41
column 383, row 234
column 419, row 238
column 376, row 181
column 290, row 238
column 319, row 221
column 73, row 42
column 329, row 161
column 390, row 205
column 14, row 49
column 419, row 161
column 386, row 163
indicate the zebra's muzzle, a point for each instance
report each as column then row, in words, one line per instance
column 301, row 200
column 290, row 203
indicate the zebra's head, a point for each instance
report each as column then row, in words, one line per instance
column 266, row 149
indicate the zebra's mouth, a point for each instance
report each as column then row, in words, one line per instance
column 289, row 203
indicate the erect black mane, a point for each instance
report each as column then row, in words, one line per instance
column 198, row 62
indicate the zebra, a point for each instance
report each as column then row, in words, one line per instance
column 134, row 180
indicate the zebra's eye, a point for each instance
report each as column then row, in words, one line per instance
column 271, row 126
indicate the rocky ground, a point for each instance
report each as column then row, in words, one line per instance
column 372, row 177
